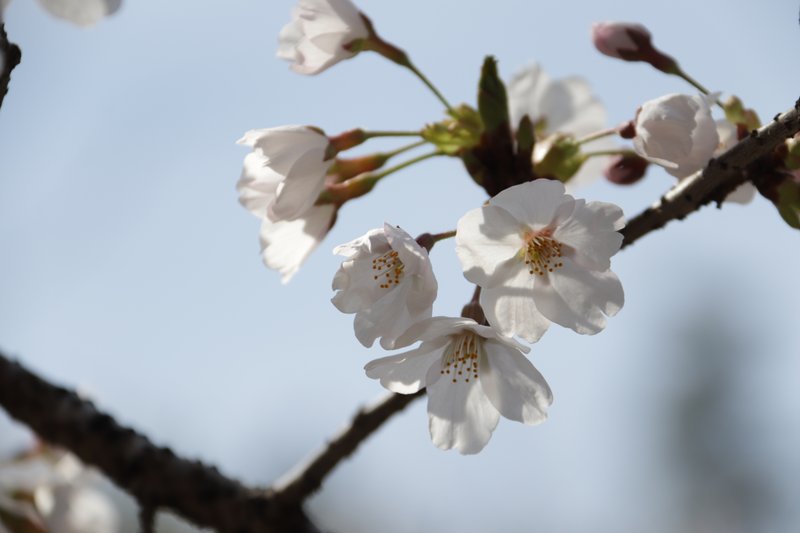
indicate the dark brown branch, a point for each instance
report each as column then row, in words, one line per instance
column 10, row 56
column 720, row 177
column 153, row 475
column 297, row 487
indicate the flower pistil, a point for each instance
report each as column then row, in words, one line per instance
column 541, row 252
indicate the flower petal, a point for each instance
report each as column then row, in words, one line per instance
column 434, row 328
column 534, row 203
column 511, row 309
column 286, row 244
column 513, row 385
column 485, row 237
column 405, row 373
column 577, row 298
column 592, row 231
column 460, row 415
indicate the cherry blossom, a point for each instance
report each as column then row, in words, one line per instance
column 319, row 34
column 280, row 183
column 565, row 106
column 79, row 12
column 387, row 280
column 542, row 256
column 472, row 376
column 58, row 494
column 677, row 132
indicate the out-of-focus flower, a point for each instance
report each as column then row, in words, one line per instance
column 626, row 169
column 79, row 12
column 630, row 42
column 565, row 106
column 387, row 280
column 540, row 255
column 319, row 34
column 52, row 491
column 472, row 376
column 677, row 132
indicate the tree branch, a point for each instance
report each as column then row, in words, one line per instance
column 153, row 475
column 10, row 56
column 714, row 183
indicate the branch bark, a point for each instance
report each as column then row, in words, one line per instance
column 154, row 475
column 10, row 56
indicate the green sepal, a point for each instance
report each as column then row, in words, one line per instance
column 736, row 113
column 459, row 132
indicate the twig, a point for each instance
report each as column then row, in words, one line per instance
column 722, row 174
column 297, row 485
column 10, row 56
column 154, row 475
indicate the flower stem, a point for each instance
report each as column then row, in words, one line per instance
column 599, row 153
column 406, row 148
column 598, row 135
column 678, row 71
column 374, row 134
column 442, row 236
column 410, row 66
column 374, row 178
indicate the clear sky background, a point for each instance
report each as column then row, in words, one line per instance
column 128, row 269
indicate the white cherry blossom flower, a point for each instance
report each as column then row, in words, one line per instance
column 61, row 494
column 280, row 183
column 387, row 280
column 677, row 132
column 542, row 256
column 318, row 35
column 560, row 106
column 285, row 172
column 472, row 376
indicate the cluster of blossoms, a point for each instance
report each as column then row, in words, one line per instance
column 50, row 490
column 536, row 254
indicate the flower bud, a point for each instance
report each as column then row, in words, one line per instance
column 626, row 169
column 630, row 42
column 677, row 132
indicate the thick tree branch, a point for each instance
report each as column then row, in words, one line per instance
column 721, row 176
column 10, row 57
column 154, row 475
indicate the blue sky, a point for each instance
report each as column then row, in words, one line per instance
column 129, row 270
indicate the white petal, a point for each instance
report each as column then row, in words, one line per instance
column 592, row 231
column 486, row 237
column 433, row 329
column 510, row 308
column 577, row 298
column 301, row 188
column 406, row 373
column 533, row 203
column 387, row 317
column 513, row 385
column 460, row 415
column 258, row 184
column 525, row 92
column 286, row 244
column 81, row 12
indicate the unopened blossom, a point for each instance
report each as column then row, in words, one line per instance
column 542, row 256
column 560, row 106
column 387, row 280
column 630, row 42
column 59, row 494
column 472, row 376
column 677, row 132
column 319, row 34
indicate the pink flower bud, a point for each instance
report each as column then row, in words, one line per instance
column 626, row 169
column 630, row 42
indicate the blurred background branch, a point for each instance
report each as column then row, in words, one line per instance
column 10, row 56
